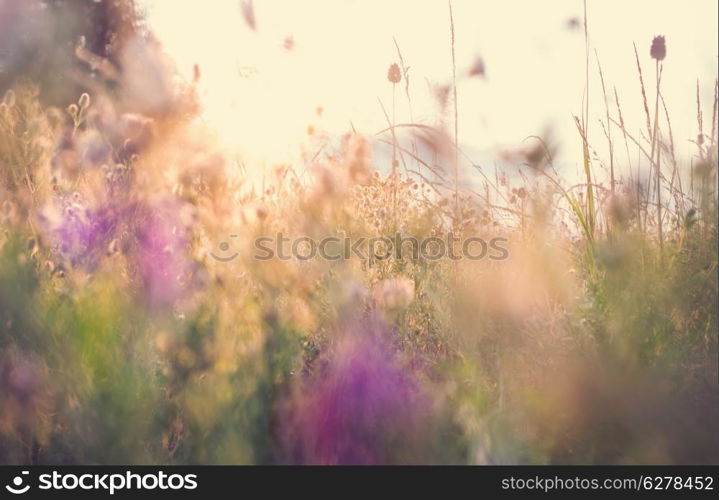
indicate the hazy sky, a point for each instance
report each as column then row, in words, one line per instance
column 261, row 97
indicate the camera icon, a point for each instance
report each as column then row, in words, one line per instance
column 17, row 488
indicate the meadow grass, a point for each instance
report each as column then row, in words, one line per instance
column 123, row 341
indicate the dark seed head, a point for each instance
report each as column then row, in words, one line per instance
column 659, row 48
column 394, row 75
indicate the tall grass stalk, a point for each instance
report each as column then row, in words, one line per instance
column 656, row 150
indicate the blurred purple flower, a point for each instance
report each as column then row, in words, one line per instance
column 156, row 234
column 82, row 234
column 362, row 412
column 161, row 253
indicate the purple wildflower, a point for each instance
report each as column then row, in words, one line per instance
column 364, row 411
column 82, row 234
column 161, row 254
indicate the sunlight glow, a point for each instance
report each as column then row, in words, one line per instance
column 262, row 97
